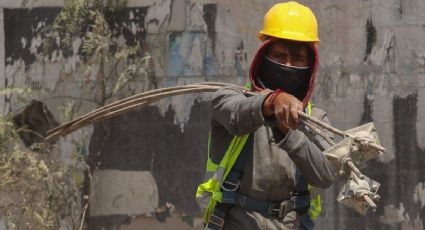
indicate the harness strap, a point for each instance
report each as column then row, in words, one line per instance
column 230, row 185
column 216, row 219
column 301, row 185
column 299, row 203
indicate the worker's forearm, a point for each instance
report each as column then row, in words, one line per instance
column 239, row 114
column 306, row 155
column 308, row 158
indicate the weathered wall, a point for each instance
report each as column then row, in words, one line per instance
column 372, row 69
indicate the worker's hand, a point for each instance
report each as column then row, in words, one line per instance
column 283, row 128
column 285, row 109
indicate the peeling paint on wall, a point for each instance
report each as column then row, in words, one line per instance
column 370, row 37
column 421, row 111
column 178, row 16
column 115, row 192
column 382, row 115
column 186, row 53
column 196, row 20
column 181, row 106
column 372, row 69
column 157, row 16
column 210, row 16
column 397, row 217
column 23, row 24
column 385, row 53
column 155, row 143
column 419, row 195
column 393, row 215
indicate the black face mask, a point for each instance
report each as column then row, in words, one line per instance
column 290, row 79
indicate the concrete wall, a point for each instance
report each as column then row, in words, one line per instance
column 372, row 69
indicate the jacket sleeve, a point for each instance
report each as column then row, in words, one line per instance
column 238, row 113
column 307, row 156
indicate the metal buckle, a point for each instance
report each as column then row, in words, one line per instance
column 281, row 211
column 283, row 208
column 233, row 186
column 218, row 221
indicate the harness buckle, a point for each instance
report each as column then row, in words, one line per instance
column 281, row 210
column 215, row 220
column 229, row 186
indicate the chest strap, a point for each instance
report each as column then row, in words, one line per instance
column 279, row 209
column 299, row 202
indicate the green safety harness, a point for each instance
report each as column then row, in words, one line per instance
column 219, row 191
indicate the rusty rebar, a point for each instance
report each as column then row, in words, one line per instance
column 335, row 130
column 318, row 131
column 125, row 105
column 366, row 197
column 147, row 93
column 353, row 168
column 143, row 99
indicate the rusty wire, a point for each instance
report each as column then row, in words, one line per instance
column 131, row 103
column 146, row 98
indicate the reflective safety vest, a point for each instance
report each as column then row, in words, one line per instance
column 208, row 192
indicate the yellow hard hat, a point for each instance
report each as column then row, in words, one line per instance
column 290, row 20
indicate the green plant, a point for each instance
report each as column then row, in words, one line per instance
column 108, row 61
column 38, row 191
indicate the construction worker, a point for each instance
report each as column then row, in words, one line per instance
column 262, row 164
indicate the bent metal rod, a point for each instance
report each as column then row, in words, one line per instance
column 146, row 98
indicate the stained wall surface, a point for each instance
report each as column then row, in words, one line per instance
column 372, row 62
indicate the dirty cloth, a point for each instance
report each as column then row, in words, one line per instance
column 269, row 172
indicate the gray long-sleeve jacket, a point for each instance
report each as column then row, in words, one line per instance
column 269, row 172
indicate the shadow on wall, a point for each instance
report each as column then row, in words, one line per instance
column 146, row 141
